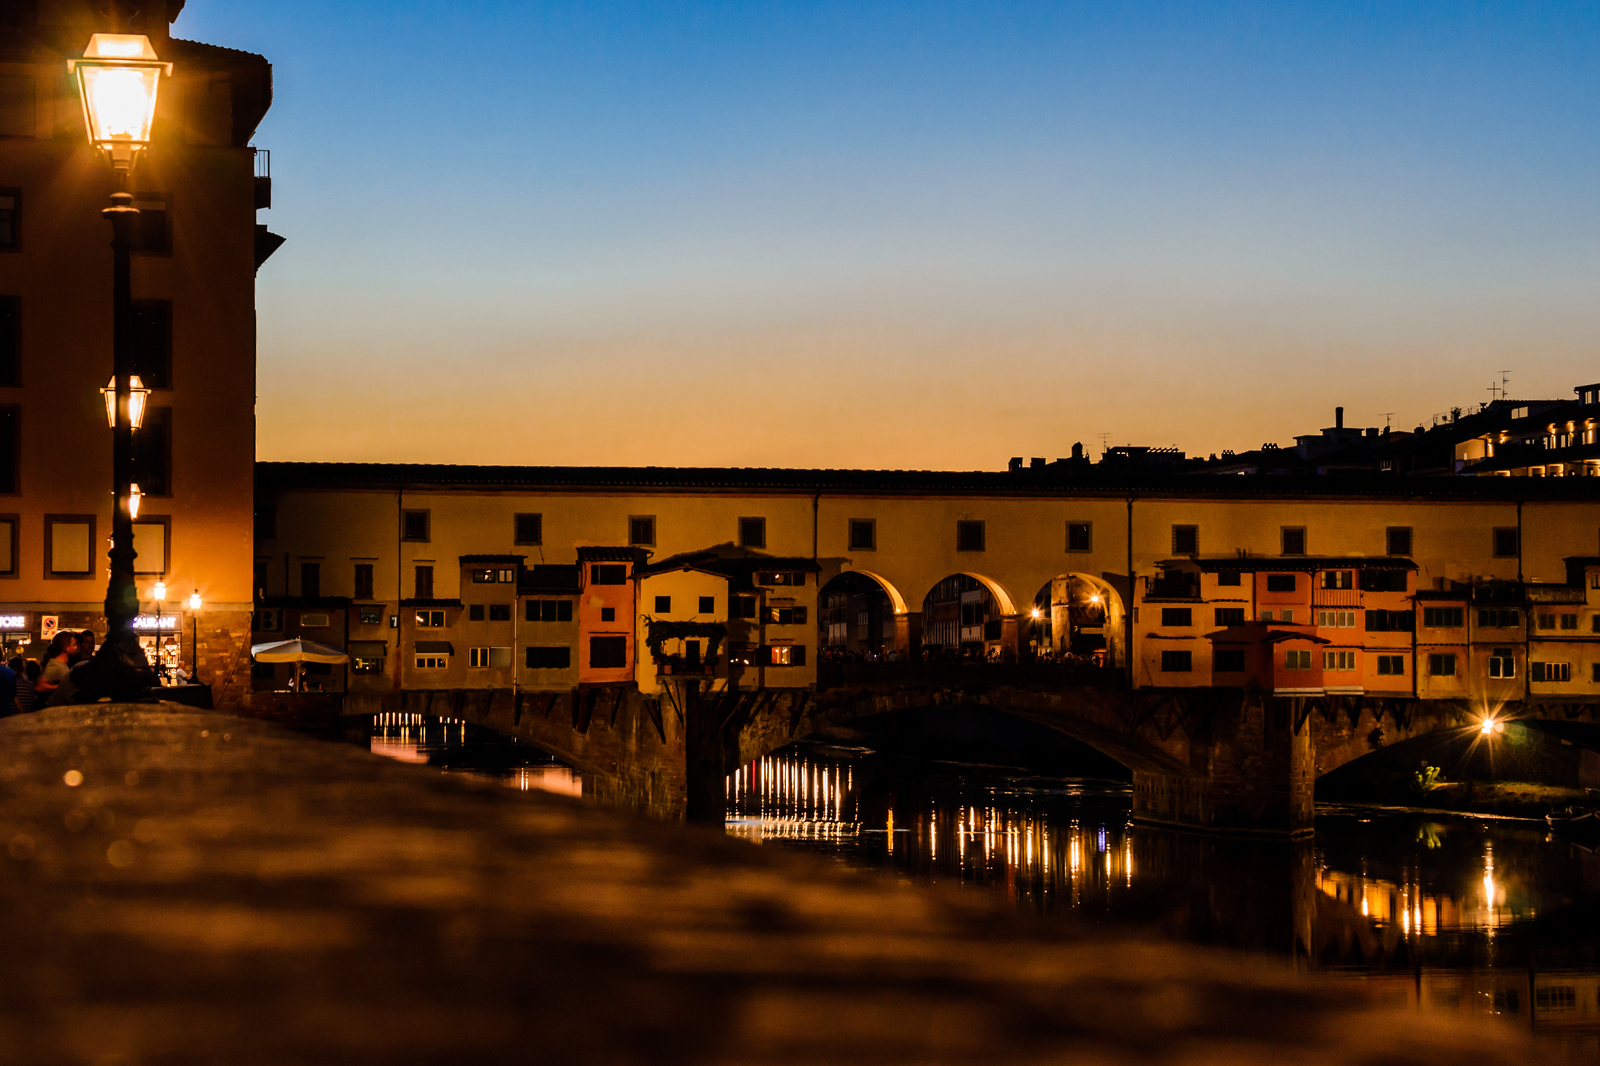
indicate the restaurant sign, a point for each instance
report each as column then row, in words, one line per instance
column 156, row 621
column 13, row 621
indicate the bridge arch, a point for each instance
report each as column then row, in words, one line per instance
column 862, row 614
column 1078, row 615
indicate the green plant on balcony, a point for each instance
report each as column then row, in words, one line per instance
column 658, row 631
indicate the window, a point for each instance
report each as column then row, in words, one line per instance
column 1502, row 663
column 370, row 616
column 1506, row 542
column 1177, row 616
column 150, row 233
column 1441, row 665
column 1297, row 660
column 1569, row 621
column 414, row 525
column 752, row 532
column 608, row 574
column 1080, row 536
column 663, row 605
column 366, row 664
column 863, row 535
column 1397, row 540
column 528, row 529
column 780, row 577
column 68, row 545
column 10, row 220
column 1266, row 616
column 549, row 611
column 1555, row 997
column 1336, row 619
column 1185, row 540
column 1550, row 671
column 1228, row 577
column 489, row 658
column 1280, row 582
column 1547, row 621
column 430, row 619
column 787, row 616
column 1228, row 660
column 1177, row 662
column 363, row 581
column 424, row 583
column 1293, row 540
column 475, row 612
column 1391, row 665
column 10, row 339
column 1230, row 616
column 311, row 580
column 314, row 620
column 484, row 575
column 1383, row 581
column 152, row 541
column 1443, row 617
column 642, row 529
column 152, row 452
column 499, row 612
column 708, row 605
column 744, row 607
column 608, row 653
column 1391, row 621
column 1338, row 579
column 608, row 614
column 1338, row 660
column 1499, row 618
column 152, row 343
column 786, row 655
column 547, row 657
column 969, row 536
column 433, row 662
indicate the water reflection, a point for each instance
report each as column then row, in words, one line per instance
column 1457, row 914
column 458, row 747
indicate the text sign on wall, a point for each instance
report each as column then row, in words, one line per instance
column 13, row 621
column 156, row 621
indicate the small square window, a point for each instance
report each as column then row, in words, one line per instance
column 499, row 612
column 1397, row 540
column 1441, row 665
column 1293, row 540
column 663, row 605
column 708, row 605
column 969, row 536
column 1080, row 536
column 1177, row 662
column 1186, row 540
column 642, row 530
column 414, row 525
column 528, row 529
column 1280, row 582
column 475, row 612
column 863, row 535
column 1228, row 577
column 1506, row 542
column 752, row 532
column 370, row 616
column 608, row 614
column 1177, row 616
column 1391, row 665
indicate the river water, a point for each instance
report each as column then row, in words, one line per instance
column 1429, row 911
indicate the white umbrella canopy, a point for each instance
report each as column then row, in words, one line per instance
column 297, row 651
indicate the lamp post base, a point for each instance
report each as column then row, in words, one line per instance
column 118, row 671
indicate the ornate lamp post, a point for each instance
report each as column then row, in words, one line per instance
column 117, row 78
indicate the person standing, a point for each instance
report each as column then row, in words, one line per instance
column 25, row 695
column 57, row 664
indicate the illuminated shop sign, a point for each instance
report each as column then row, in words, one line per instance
column 13, row 621
column 156, row 621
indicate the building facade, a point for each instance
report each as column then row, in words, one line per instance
column 196, row 248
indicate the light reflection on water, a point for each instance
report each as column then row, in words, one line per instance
column 459, row 747
column 1445, row 914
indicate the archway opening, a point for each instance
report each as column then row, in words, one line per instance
column 858, row 622
column 964, row 619
column 1077, row 619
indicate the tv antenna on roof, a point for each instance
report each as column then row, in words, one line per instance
column 1505, row 379
column 1387, row 417
column 1494, row 390
column 1105, row 442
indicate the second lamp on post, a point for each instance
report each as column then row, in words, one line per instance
column 118, row 77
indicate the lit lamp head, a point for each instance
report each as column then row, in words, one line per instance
column 134, row 496
column 117, row 78
column 160, row 591
column 137, row 395
column 194, row 600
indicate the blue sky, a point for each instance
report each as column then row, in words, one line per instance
column 910, row 235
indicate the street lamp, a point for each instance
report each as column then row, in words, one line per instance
column 137, row 395
column 194, row 636
column 117, row 78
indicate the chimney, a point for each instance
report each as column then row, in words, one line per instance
column 1015, row 464
column 1077, row 450
column 1338, row 418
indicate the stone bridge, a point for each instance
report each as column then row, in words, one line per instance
column 1229, row 760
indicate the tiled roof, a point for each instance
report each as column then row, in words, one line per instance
column 1063, row 480
column 597, row 553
